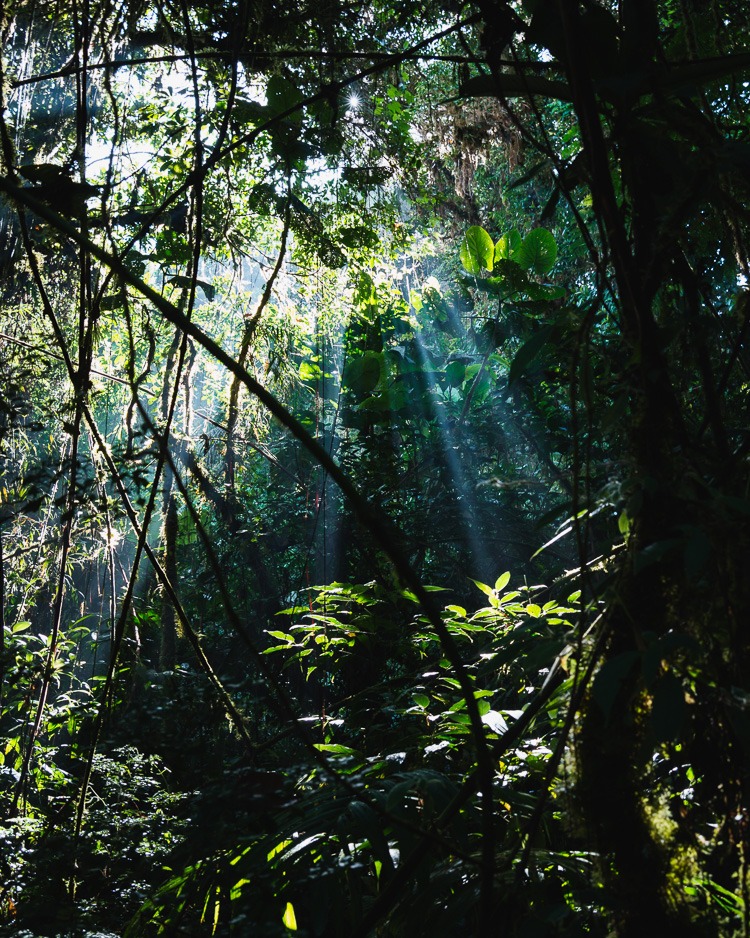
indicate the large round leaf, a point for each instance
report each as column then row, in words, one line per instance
column 455, row 372
column 506, row 246
column 361, row 375
column 537, row 252
column 477, row 250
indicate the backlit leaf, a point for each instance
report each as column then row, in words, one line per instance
column 289, row 918
column 537, row 252
column 477, row 250
column 502, row 581
column 509, row 243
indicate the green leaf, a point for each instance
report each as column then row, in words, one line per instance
column 421, row 700
column 502, row 581
column 487, row 590
column 362, row 374
column 336, row 749
column 477, row 250
column 533, row 610
column 281, row 95
column 455, row 373
column 537, row 252
column 289, row 918
column 509, row 243
column 309, row 372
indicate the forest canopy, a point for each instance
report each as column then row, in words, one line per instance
column 374, row 487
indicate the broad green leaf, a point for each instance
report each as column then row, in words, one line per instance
column 421, row 700
column 537, row 252
column 455, row 373
column 390, row 400
column 309, row 372
column 281, row 95
column 477, row 250
column 509, row 243
column 533, row 610
column 362, row 374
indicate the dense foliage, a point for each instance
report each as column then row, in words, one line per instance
column 374, row 498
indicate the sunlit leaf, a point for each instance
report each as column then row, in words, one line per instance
column 502, row 581
column 509, row 243
column 487, row 590
column 336, row 749
column 477, row 251
column 289, row 918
